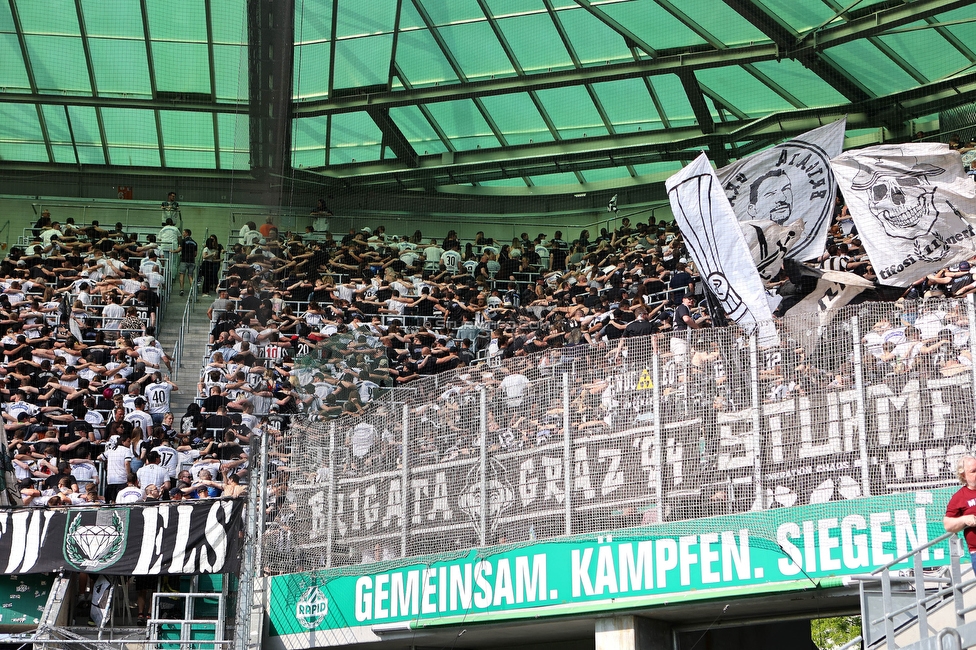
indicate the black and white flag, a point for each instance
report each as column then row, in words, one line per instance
column 790, row 184
column 808, row 319
column 715, row 241
column 912, row 205
column 612, row 205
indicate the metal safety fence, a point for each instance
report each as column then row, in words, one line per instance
column 675, row 426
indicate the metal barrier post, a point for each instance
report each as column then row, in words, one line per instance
column 405, row 479
column 483, row 456
column 862, row 423
column 567, row 460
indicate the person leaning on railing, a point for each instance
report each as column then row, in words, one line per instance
column 961, row 510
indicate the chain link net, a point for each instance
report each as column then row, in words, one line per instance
column 670, row 427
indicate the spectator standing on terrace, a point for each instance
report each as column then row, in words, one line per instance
column 188, row 258
column 170, row 204
column 169, row 240
column 960, row 513
column 210, row 266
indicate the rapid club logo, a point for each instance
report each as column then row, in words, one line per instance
column 312, row 607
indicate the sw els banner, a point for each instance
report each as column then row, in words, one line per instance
column 185, row 538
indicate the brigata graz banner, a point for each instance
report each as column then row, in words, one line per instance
column 733, row 555
column 189, row 537
column 808, row 449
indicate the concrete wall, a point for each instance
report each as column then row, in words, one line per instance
column 222, row 218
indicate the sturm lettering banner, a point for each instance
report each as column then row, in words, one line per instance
column 711, row 460
column 789, row 185
column 735, row 555
column 912, row 205
column 165, row 539
column 718, row 248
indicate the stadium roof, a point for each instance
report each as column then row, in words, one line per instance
column 463, row 96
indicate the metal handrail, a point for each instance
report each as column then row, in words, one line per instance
column 922, row 601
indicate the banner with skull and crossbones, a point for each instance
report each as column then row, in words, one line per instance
column 913, row 207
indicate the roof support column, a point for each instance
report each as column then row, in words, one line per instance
column 270, row 52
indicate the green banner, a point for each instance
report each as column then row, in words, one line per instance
column 775, row 550
column 22, row 600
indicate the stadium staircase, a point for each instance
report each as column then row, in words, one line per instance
column 184, row 333
column 920, row 608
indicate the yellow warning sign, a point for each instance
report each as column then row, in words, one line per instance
column 645, row 383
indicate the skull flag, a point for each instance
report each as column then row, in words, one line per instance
column 912, row 205
column 715, row 242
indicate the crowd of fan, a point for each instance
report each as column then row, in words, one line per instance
column 85, row 383
column 322, row 325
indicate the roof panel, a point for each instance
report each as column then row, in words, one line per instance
column 517, row 117
column 13, row 72
column 721, row 21
column 134, row 156
column 658, row 168
column 743, row 91
column 446, row 12
column 564, row 178
column 353, row 137
column 6, row 19
column 56, row 123
column 121, row 67
column 417, row 130
column 362, row 61
column 308, row 139
column 608, row 174
column 653, row 24
column 187, row 129
column 181, row 67
column 673, row 100
column 628, row 105
column 310, row 72
column 800, row 16
column 84, row 126
column 573, row 112
column 535, row 43
column 229, row 20
column 801, row 82
column 871, row 67
column 421, row 61
column 501, row 8
column 23, row 151
column 20, row 122
column 113, row 18
column 358, row 18
column 48, row 17
column 313, row 20
column 191, row 158
column 177, row 20
column 230, row 72
column 594, row 41
column 59, row 134
column 232, row 132
column 463, row 124
column 476, row 50
column 928, row 52
column 127, row 126
column 59, row 64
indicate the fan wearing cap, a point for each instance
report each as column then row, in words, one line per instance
column 955, row 282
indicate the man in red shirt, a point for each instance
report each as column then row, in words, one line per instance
column 961, row 510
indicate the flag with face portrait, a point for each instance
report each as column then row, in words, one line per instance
column 791, row 183
column 715, row 242
column 912, row 205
